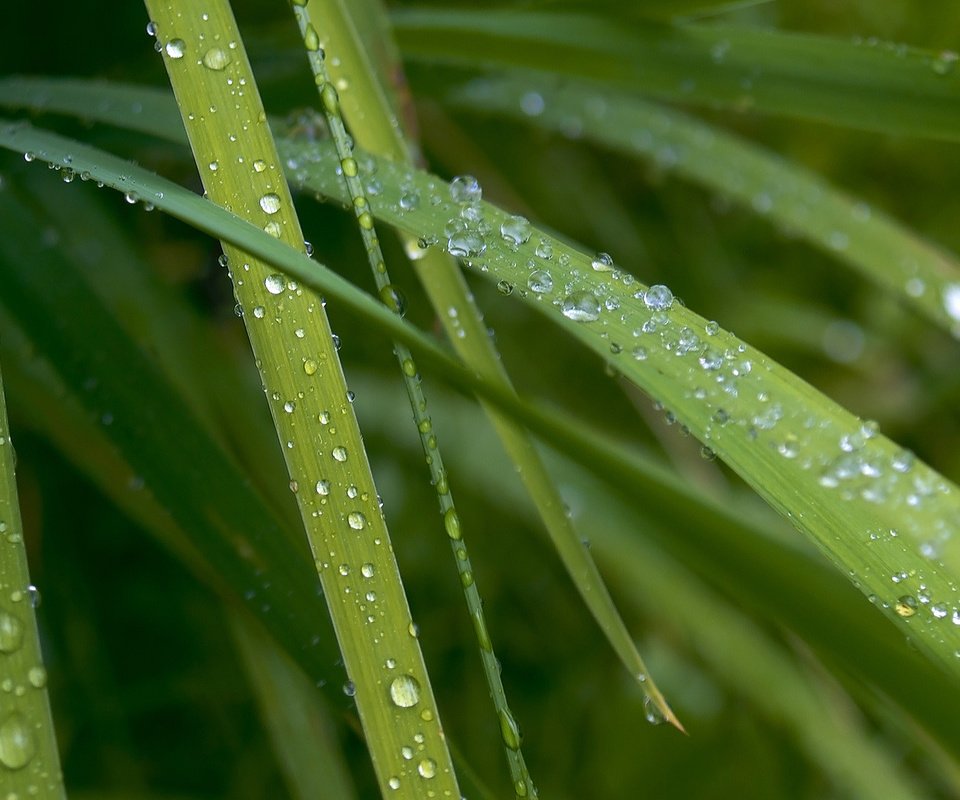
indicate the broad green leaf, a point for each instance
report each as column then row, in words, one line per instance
column 889, row 88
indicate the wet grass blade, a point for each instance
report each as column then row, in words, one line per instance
column 877, row 246
column 873, row 86
column 29, row 761
column 291, row 340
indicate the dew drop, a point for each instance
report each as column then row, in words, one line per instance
column 37, row 677
column 409, row 201
column 356, row 520
column 581, row 307
column 350, row 689
column 540, row 281
column 16, row 742
column 465, row 189
column 323, row 488
column 427, row 768
column 310, row 366
column 367, row 570
column 452, row 524
column 270, row 203
column 176, row 48
column 658, row 298
column 393, row 299
column 405, row 691
column 340, row 453
column 216, row 59
column 274, row 283
column 602, row 262
column 11, row 633
column 394, row 782
column 516, row 230
column 906, row 606
column 509, row 729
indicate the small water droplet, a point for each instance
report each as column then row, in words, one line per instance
column 602, row 262
column 33, row 596
column 350, row 689
column 427, row 768
column 509, row 730
column 37, row 677
column 945, row 61
column 394, row 782
column 323, row 488
column 452, row 524
column 367, row 570
column 310, row 366
column 393, row 299
column 581, row 307
column 405, row 691
column 340, row 454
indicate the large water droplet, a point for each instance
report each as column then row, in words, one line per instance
column 16, row 742
column 452, row 523
column 11, row 633
column 176, row 48
column 356, row 520
column 270, row 203
column 540, row 281
column 658, row 298
column 427, row 768
column 515, row 230
column 509, row 730
column 581, row 307
column 465, row 189
column 340, row 454
column 216, row 59
column 274, row 283
column 405, row 691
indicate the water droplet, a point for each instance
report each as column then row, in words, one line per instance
column 509, row 730
column 216, row 59
column 540, row 281
column 16, row 742
column 270, row 203
column 350, row 689
column 367, row 570
column 544, row 250
column 658, row 298
column 394, row 782
column 33, row 596
column 176, row 48
column 466, row 244
column 505, row 287
column 427, row 768
column 581, row 307
column 944, row 63
column 356, row 520
column 340, row 454
column 37, row 677
column 906, row 606
column 310, row 366
column 393, row 299
column 274, row 283
column 405, row 691
column 465, row 189
column 452, row 523
column 516, row 230
column 414, row 630
column 409, row 201
column 151, row 28
column 602, row 262
column 11, row 633
column 323, row 488
column 653, row 714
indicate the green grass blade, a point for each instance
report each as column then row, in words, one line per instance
column 881, row 249
column 309, row 401
column 871, row 86
column 394, row 300
column 29, row 762
column 296, row 719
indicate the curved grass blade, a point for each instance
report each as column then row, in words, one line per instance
column 823, row 449
column 309, row 401
column 394, row 300
column 880, row 248
column 873, row 86
column 29, row 761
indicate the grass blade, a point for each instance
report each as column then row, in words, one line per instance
column 891, row 89
column 309, row 401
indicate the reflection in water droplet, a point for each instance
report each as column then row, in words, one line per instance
column 176, row 48
column 405, row 691
column 581, row 307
